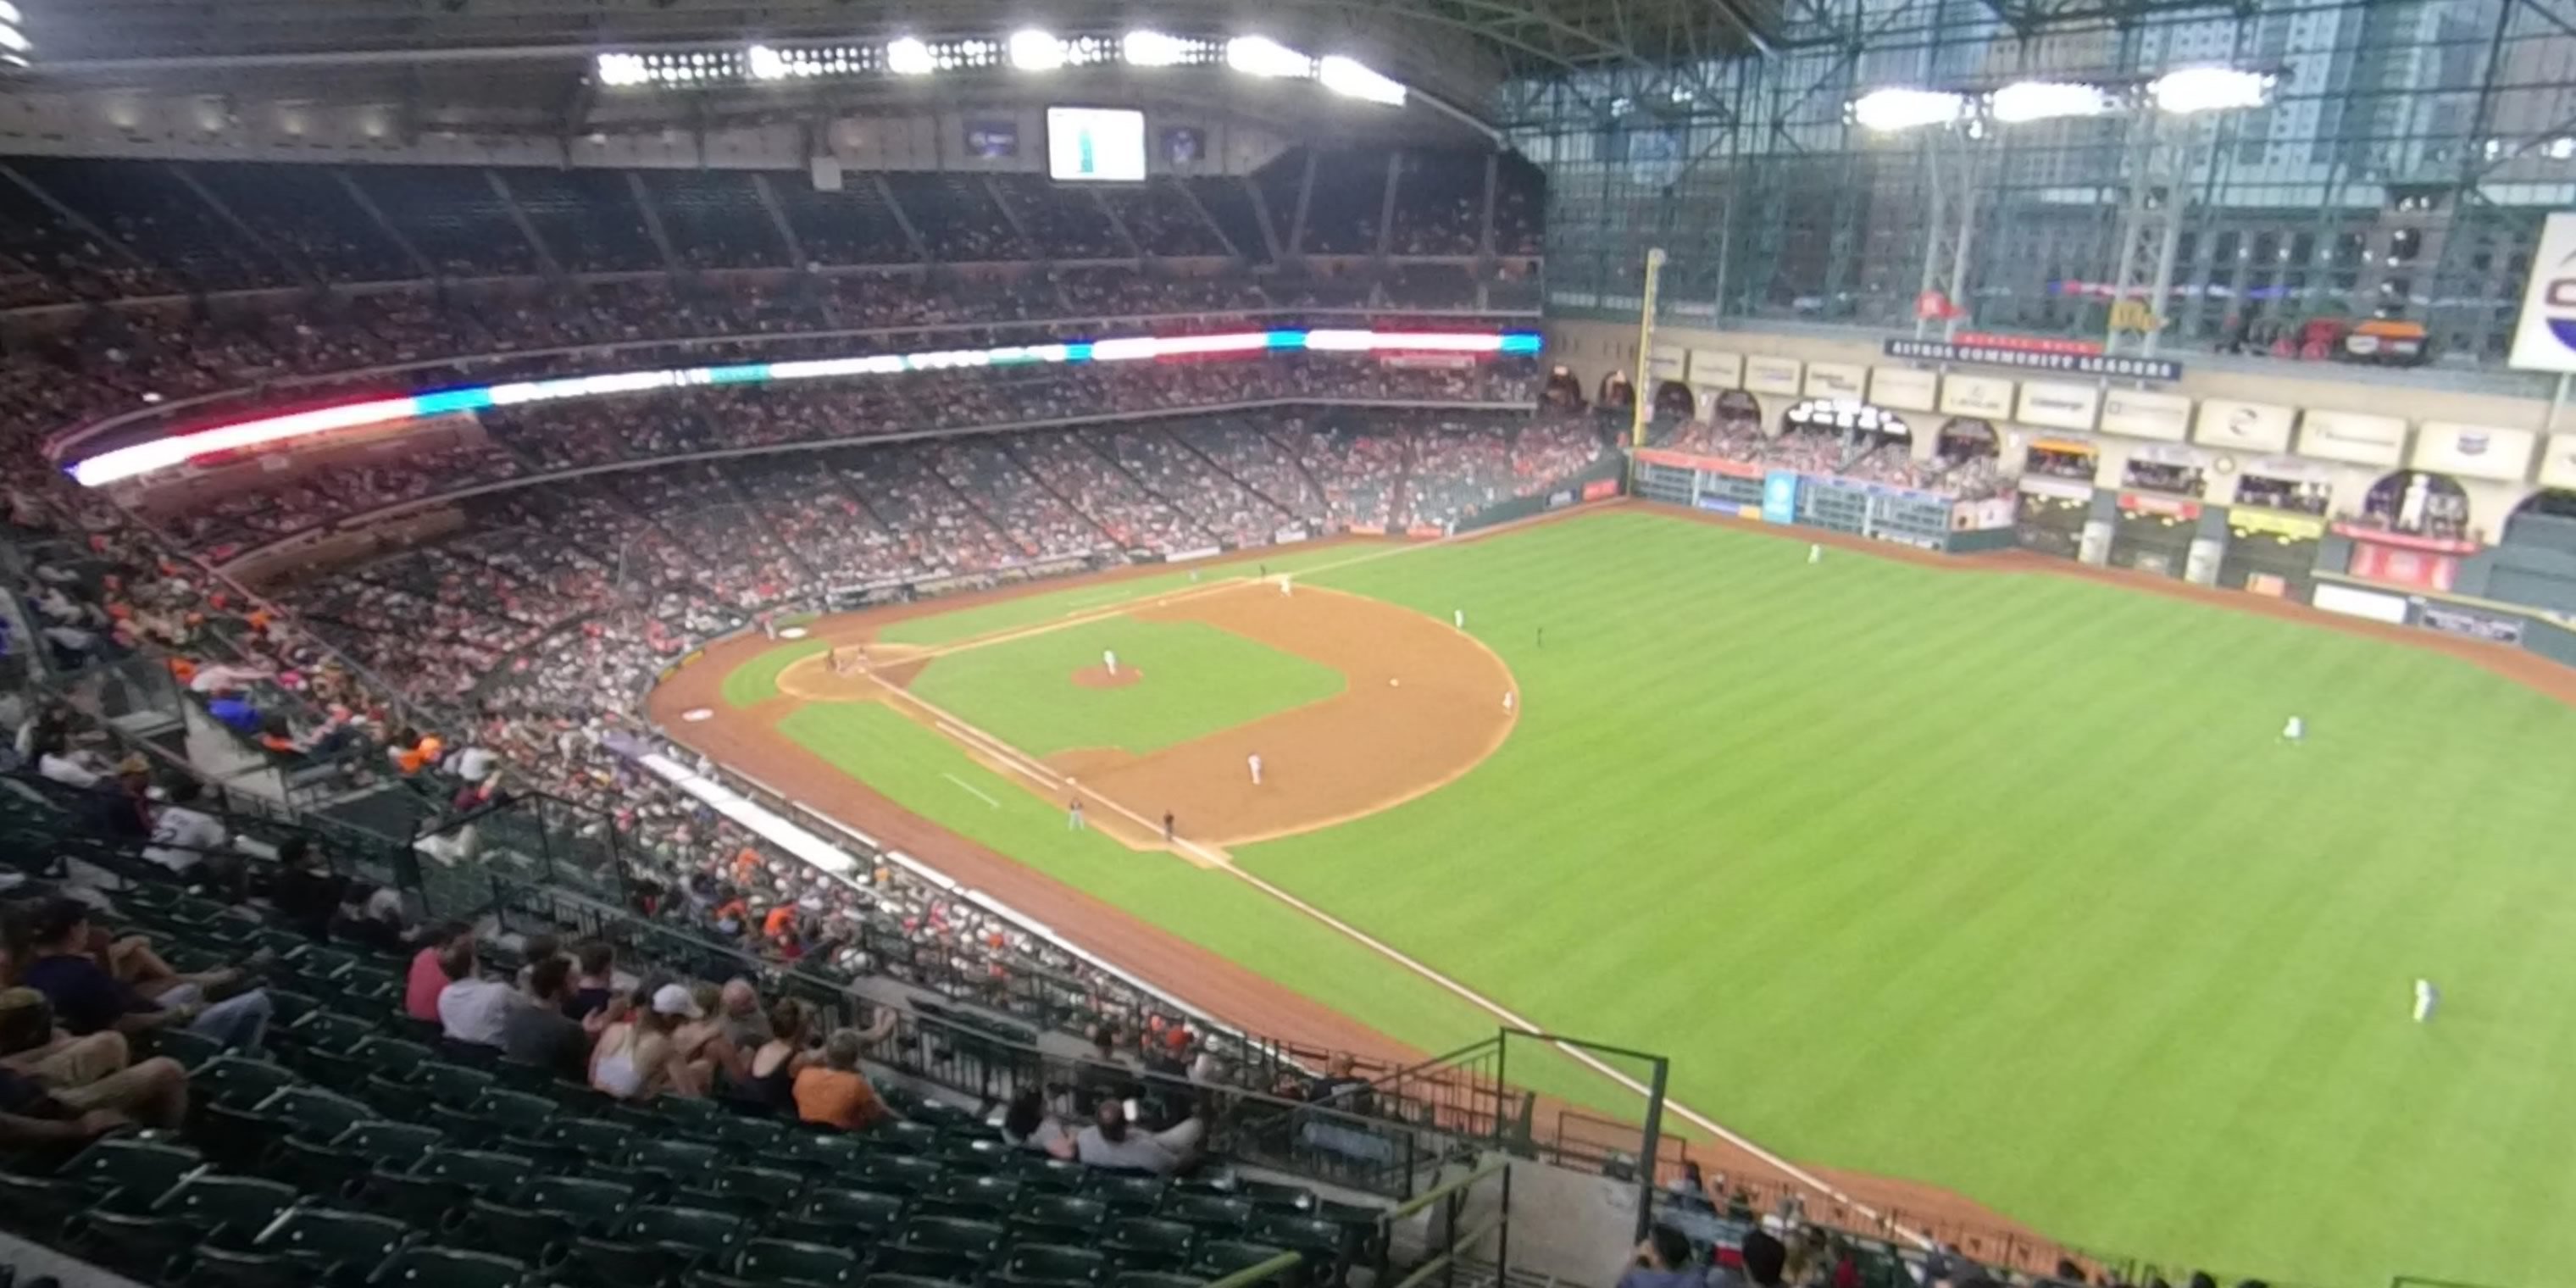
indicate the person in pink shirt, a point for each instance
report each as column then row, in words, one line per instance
column 428, row 976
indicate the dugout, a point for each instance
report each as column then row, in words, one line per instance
column 1674, row 402
column 2271, row 552
column 2049, row 515
column 2153, row 533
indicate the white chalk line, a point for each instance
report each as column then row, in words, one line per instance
column 1209, row 857
column 972, row 790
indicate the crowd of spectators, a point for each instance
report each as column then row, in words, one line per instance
column 1967, row 474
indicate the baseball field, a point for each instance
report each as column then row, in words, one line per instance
column 1972, row 874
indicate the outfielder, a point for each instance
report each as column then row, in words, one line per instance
column 1458, row 618
column 1815, row 553
column 1253, row 762
column 2294, row 730
column 2427, row 998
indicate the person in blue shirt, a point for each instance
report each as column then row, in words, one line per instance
column 86, row 999
column 234, row 712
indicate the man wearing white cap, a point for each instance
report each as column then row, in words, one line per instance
column 633, row 1059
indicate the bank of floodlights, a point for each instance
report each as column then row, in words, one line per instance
column 1030, row 50
column 15, row 48
column 2181, row 92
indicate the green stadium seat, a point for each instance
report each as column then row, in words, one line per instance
column 1271, row 1196
column 903, row 1137
column 648, row 1187
column 1058, row 1218
column 1125, row 1195
column 206, row 1201
column 426, row 1202
column 612, row 1263
column 778, row 1261
column 240, row 1082
column 449, row 1268
column 1219, row 1217
column 603, row 1141
column 531, row 1235
column 978, row 1239
column 773, row 1189
column 302, row 1248
column 1046, row 1265
column 832, row 1149
column 140, row 1245
column 750, row 1209
column 891, row 1280
column 753, row 1137
column 337, row 1070
column 1151, row 1279
column 685, row 1230
column 460, row 1127
column 980, row 1154
column 591, row 1205
column 993, row 1194
column 863, row 1213
column 1052, row 1175
column 1140, row 1243
column 392, row 1056
column 1325, row 1244
column 288, row 1006
column 189, row 1048
column 314, row 1113
column 476, row 1170
column 1218, row 1258
column 895, row 1174
column 453, row 1085
column 327, row 1030
column 679, row 1159
column 37, row 1206
column 386, row 1144
column 143, row 1169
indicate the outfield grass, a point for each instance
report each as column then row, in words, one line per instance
column 1031, row 610
column 756, row 681
column 1197, row 680
column 2002, row 883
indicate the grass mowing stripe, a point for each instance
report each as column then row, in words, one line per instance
column 756, row 681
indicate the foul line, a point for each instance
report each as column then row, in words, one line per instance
column 971, row 790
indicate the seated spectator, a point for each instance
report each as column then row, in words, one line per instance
column 1339, row 1087
column 594, row 983
column 769, row 1079
column 89, row 1073
column 633, row 1059
column 739, row 1017
column 87, row 999
column 837, row 1094
column 30, row 1118
column 700, row 1051
column 1026, row 1124
column 1663, row 1260
column 538, row 1033
column 1111, row 1141
column 193, row 843
column 56, row 760
column 428, row 977
column 305, row 893
column 372, row 915
column 471, row 1008
column 535, row 949
column 121, row 810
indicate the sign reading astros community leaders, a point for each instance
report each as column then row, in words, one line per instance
column 2074, row 364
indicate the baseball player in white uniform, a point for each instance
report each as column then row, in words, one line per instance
column 2427, row 998
column 1253, row 762
column 1109, row 659
column 2294, row 730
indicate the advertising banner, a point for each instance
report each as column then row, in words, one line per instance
column 1716, row 369
column 1904, row 389
column 1667, row 362
column 2142, row 415
column 1561, row 498
column 2033, row 359
column 1780, row 497
column 1423, row 531
column 1287, row 536
column 1764, row 375
column 1982, row 516
column 1984, row 397
column 2297, row 469
column 2474, row 451
column 2545, row 338
column 2160, row 506
column 1367, row 529
column 1704, row 464
column 2274, row 523
column 2170, row 454
column 2244, row 426
column 2058, row 406
column 1722, row 505
column 2062, row 489
column 1837, row 380
column 1600, row 489
column 2351, row 436
column 2558, row 462
column 2361, row 603
column 1187, row 556
column 2475, row 625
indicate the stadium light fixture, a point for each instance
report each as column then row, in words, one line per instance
column 766, row 64
column 2025, row 101
column 908, row 56
column 1152, row 49
column 1350, row 78
column 621, row 70
column 2209, row 89
column 1262, row 56
column 1890, row 110
column 1031, row 50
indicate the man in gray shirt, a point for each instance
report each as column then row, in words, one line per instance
column 1111, row 1141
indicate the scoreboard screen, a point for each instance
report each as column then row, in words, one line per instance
column 1095, row 144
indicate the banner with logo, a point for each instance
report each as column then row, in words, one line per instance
column 2297, row 469
column 2051, row 358
column 2476, row 625
column 2058, row 406
column 1287, row 536
column 1561, row 498
column 2361, row 603
column 2290, row 527
column 1837, row 380
column 1716, row 369
column 1667, row 362
column 2179, row 454
column 2243, row 426
column 2160, row 506
column 2051, row 485
column 2143, row 415
column 2351, row 436
column 2545, row 337
column 2558, row 462
column 1772, row 375
column 1780, row 497
column 2474, row 451
column 1904, row 388
column 1704, row 464
column 1984, row 397
column 1600, row 489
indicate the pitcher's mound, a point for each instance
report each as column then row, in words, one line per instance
column 1093, row 677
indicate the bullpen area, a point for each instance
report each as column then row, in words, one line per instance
column 1977, row 874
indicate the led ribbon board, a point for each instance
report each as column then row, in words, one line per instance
column 137, row 459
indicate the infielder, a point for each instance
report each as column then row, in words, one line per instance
column 2294, row 730
column 2427, row 998
column 1253, row 762
column 1109, row 659
column 1283, row 585
column 1458, row 618
column 1815, row 554
column 1073, row 821
column 1507, row 699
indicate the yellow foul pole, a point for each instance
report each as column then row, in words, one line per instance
column 1639, row 399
